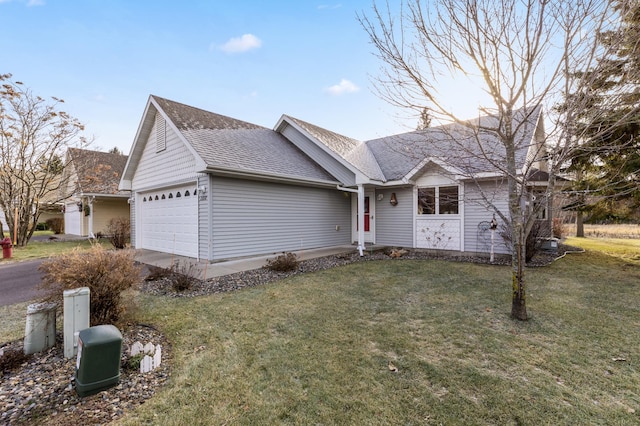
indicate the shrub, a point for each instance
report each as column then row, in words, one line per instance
column 558, row 227
column 119, row 230
column 157, row 273
column 533, row 243
column 183, row 275
column 283, row 263
column 56, row 224
column 41, row 226
column 107, row 274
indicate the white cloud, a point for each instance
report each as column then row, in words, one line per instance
column 35, row 3
column 242, row 44
column 345, row 86
column 330, row 6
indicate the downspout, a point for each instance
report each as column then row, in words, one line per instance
column 360, row 192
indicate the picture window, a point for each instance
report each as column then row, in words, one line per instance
column 438, row 200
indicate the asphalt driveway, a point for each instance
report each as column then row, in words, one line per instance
column 18, row 281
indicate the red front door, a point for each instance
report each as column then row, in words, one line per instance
column 367, row 216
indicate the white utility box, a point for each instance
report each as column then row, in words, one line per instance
column 76, row 318
column 40, row 330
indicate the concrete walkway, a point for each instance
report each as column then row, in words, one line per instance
column 211, row 270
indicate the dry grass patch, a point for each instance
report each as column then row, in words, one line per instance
column 606, row 231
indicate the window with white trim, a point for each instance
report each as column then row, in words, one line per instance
column 438, row 200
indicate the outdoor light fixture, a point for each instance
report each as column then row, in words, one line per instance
column 393, row 201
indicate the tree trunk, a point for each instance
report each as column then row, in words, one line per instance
column 519, row 293
column 579, row 224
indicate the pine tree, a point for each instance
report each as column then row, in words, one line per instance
column 607, row 163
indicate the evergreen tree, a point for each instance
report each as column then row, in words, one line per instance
column 607, row 163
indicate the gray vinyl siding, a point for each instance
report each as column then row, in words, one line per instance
column 476, row 210
column 320, row 156
column 204, row 207
column 251, row 218
column 156, row 169
column 132, row 213
column 394, row 224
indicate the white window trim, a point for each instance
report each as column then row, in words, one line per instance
column 437, row 201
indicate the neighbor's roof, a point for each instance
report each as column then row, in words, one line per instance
column 226, row 143
column 98, row 172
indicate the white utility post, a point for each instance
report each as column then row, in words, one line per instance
column 76, row 318
column 361, row 219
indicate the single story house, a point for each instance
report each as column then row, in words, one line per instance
column 92, row 194
column 212, row 187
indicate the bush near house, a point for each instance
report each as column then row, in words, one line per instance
column 107, row 273
column 283, row 263
column 119, row 231
column 56, row 224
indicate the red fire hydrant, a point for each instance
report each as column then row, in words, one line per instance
column 7, row 250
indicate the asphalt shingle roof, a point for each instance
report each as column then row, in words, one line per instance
column 98, row 172
column 352, row 150
column 224, row 142
column 469, row 149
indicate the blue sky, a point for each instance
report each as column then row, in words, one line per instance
column 251, row 60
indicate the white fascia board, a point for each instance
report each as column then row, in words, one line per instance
column 124, row 185
column 173, row 184
column 100, row 195
column 200, row 163
column 334, row 155
column 135, row 153
column 271, row 177
column 446, row 166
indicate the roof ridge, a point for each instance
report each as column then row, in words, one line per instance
column 167, row 104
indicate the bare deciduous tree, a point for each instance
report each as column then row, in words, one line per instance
column 523, row 54
column 34, row 134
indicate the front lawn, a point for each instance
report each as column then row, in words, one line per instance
column 43, row 249
column 407, row 342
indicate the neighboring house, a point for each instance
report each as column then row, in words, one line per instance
column 51, row 206
column 94, row 197
column 213, row 187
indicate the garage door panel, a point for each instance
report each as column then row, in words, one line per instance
column 171, row 224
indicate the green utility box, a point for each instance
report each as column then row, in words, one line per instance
column 98, row 362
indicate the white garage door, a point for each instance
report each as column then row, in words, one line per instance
column 72, row 219
column 169, row 221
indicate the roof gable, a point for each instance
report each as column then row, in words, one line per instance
column 354, row 152
column 226, row 145
column 97, row 172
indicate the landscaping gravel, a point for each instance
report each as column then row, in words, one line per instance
column 41, row 390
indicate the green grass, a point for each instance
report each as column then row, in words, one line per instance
column 624, row 248
column 315, row 349
column 44, row 249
